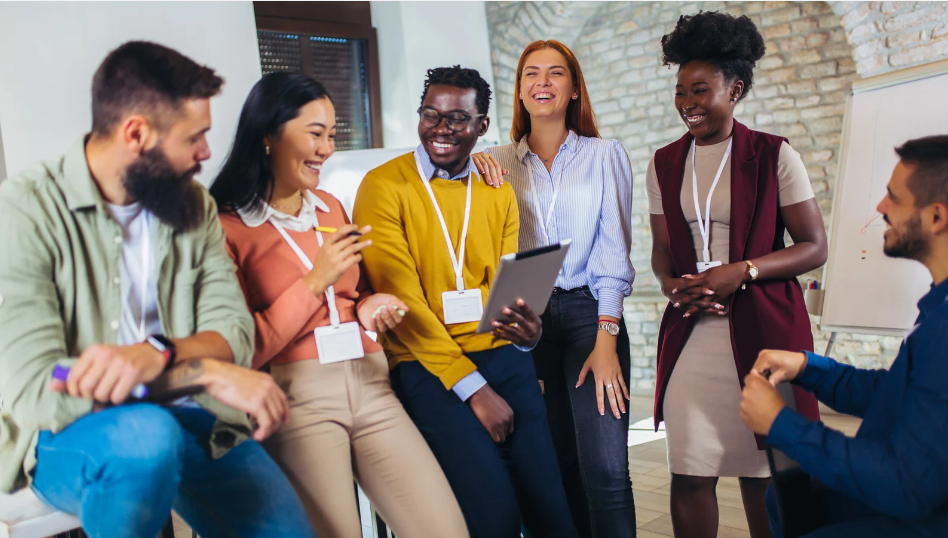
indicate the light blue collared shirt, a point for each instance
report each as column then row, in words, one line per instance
column 474, row 381
column 432, row 171
column 593, row 208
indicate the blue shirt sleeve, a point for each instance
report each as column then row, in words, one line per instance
column 842, row 387
column 904, row 475
column 609, row 267
column 468, row 385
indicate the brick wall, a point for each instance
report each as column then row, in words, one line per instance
column 814, row 52
column 893, row 35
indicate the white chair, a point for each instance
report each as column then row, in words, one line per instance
column 23, row 515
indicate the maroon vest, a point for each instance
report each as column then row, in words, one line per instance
column 769, row 314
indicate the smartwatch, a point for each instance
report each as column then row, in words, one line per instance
column 165, row 346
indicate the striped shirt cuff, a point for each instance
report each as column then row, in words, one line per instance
column 610, row 302
column 468, row 385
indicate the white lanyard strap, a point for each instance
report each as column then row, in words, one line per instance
column 705, row 226
column 458, row 260
column 308, row 264
column 544, row 222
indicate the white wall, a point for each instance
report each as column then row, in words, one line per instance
column 415, row 37
column 3, row 164
column 50, row 50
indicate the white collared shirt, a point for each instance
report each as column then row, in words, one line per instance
column 261, row 212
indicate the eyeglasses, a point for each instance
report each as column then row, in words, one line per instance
column 457, row 122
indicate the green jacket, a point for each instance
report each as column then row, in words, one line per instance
column 59, row 293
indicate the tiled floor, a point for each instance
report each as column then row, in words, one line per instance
column 651, row 482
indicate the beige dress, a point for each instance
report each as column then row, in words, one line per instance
column 704, row 432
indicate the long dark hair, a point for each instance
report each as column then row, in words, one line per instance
column 274, row 100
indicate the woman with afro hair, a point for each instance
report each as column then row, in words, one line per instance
column 720, row 199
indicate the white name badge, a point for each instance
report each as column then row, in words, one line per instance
column 704, row 266
column 462, row 306
column 336, row 343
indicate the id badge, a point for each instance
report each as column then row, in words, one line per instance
column 462, row 306
column 336, row 343
column 704, row 266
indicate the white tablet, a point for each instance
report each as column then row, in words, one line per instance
column 528, row 275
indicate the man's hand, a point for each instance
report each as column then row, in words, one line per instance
column 250, row 391
column 783, row 365
column 760, row 403
column 493, row 412
column 522, row 328
column 106, row 374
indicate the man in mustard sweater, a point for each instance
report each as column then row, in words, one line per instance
column 438, row 233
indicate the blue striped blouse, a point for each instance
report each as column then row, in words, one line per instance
column 593, row 208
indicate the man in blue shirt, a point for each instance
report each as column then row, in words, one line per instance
column 892, row 478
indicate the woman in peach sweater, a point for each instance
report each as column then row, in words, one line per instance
column 312, row 308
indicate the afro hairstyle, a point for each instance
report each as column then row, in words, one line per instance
column 731, row 43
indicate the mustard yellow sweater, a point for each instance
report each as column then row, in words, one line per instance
column 409, row 259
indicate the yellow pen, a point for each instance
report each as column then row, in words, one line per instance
column 331, row 230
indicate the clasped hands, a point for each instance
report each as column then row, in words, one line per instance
column 705, row 293
column 760, row 401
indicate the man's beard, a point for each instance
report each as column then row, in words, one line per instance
column 169, row 196
column 909, row 242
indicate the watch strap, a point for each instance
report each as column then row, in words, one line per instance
column 165, row 346
column 752, row 270
column 609, row 326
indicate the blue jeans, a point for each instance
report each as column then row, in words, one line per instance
column 852, row 519
column 592, row 449
column 497, row 487
column 123, row 469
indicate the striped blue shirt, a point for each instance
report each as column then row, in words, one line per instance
column 593, row 208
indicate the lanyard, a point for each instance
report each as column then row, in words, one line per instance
column 705, row 226
column 330, row 292
column 456, row 260
column 146, row 274
column 544, row 222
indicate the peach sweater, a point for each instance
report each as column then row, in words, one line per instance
column 285, row 311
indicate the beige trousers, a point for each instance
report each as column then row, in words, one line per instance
column 346, row 423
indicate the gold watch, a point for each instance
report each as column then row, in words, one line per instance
column 752, row 272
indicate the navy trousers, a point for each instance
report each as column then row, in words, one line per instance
column 852, row 519
column 499, row 488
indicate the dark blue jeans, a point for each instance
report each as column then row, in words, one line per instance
column 852, row 519
column 592, row 449
column 123, row 469
column 497, row 487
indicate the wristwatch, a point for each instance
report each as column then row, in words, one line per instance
column 165, row 346
column 610, row 327
column 752, row 272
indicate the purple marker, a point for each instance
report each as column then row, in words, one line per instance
column 61, row 373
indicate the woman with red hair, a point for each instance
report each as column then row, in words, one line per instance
column 572, row 184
